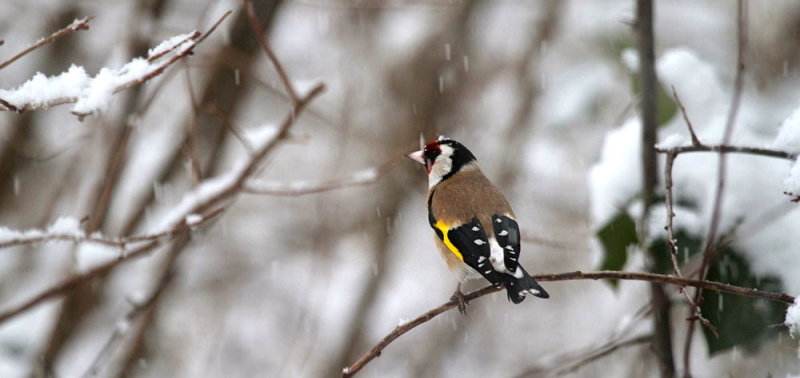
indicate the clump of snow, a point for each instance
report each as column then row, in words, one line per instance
column 631, row 59
column 90, row 255
column 41, row 90
column 97, row 95
column 170, row 44
column 616, row 178
column 92, row 94
column 788, row 138
column 792, row 183
column 66, row 226
column 700, row 92
column 204, row 192
column 672, row 141
column 261, row 135
column 793, row 318
column 193, row 219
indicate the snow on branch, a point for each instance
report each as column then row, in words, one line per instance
column 93, row 94
column 298, row 188
column 68, row 229
column 793, row 318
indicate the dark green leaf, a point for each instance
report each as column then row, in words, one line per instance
column 740, row 320
column 616, row 236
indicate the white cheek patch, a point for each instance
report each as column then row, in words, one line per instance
column 441, row 166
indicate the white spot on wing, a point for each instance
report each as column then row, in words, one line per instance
column 479, row 242
column 502, row 233
column 496, row 256
column 510, row 248
column 475, row 228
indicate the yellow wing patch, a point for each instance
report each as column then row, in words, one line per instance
column 445, row 229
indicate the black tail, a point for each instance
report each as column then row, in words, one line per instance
column 518, row 288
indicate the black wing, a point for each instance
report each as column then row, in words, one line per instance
column 470, row 244
column 506, row 231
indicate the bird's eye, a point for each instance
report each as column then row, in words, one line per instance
column 431, row 154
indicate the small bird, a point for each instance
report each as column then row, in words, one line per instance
column 476, row 230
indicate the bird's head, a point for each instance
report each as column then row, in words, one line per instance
column 443, row 158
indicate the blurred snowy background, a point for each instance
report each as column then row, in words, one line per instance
column 543, row 92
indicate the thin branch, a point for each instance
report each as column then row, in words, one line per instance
column 351, row 370
column 710, row 244
column 72, row 281
column 201, row 206
column 671, row 241
column 569, row 361
column 37, row 236
column 81, row 24
column 364, row 177
column 258, row 30
column 730, row 149
column 695, row 139
column 138, row 309
column 602, row 352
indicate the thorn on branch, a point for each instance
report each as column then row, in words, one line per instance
column 695, row 139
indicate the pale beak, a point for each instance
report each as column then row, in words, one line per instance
column 416, row 156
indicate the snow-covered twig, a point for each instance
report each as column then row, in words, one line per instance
column 375, row 352
column 68, row 230
column 80, row 24
column 200, row 201
column 299, row 188
column 76, row 279
column 93, row 94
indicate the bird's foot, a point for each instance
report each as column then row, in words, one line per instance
column 461, row 300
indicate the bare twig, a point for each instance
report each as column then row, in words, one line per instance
column 351, row 370
column 731, row 149
column 671, row 241
column 81, row 24
column 695, row 139
column 138, row 309
column 258, row 30
column 571, row 361
column 710, row 244
column 605, row 351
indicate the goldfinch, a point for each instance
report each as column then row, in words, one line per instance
column 476, row 231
